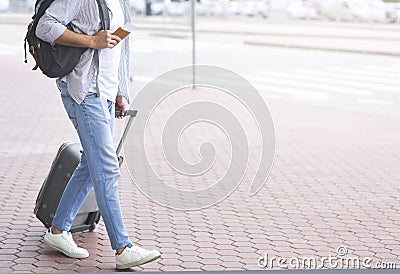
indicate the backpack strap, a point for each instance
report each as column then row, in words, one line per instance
column 104, row 15
column 105, row 25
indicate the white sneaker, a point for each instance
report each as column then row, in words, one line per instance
column 134, row 256
column 64, row 243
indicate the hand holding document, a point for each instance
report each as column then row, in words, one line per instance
column 124, row 31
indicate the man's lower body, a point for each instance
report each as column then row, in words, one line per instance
column 99, row 169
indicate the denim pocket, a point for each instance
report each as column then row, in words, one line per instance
column 90, row 95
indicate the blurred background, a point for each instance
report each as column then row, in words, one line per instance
column 340, row 53
column 379, row 11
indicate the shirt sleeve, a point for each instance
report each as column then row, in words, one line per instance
column 55, row 19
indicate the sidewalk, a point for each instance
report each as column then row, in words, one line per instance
column 335, row 182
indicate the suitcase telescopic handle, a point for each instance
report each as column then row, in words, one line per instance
column 132, row 114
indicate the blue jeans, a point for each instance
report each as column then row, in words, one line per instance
column 98, row 168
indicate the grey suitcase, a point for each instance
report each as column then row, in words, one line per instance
column 62, row 168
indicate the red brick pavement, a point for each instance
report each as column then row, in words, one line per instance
column 334, row 182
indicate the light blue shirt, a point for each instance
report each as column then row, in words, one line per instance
column 84, row 18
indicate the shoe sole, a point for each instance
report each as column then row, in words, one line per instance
column 148, row 259
column 66, row 253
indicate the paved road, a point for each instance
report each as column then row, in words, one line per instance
column 353, row 81
column 334, row 182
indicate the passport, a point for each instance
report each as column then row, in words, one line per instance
column 124, row 31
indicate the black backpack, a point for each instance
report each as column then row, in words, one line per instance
column 56, row 60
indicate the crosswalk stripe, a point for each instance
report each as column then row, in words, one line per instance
column 395, row 72
column 375, row 102
column 332, row 82
column 348, row 76
column 294, row 92
column 365, row 73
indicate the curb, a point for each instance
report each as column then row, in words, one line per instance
column 171, row 34
column 327, row 48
